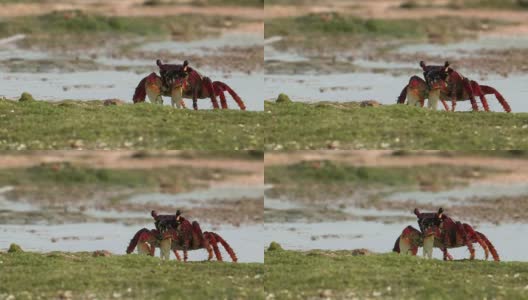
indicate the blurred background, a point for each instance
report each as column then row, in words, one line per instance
column 87, row 201
column 94, row 49
column 350, row 50
column 344, row 200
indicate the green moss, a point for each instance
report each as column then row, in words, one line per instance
column 274, row 246
column 26, row 97
column 15, row 248
column 129, row 276
column 44, row 125
column 343, row 275
column 282, row 98
column 307, row 126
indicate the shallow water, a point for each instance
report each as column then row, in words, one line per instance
column 468, row 47
column 460, row 196
column 209, row 45
column 379, row 237
column 114, row 84
column 384, row 88
column 199, row 197
column 245, row 240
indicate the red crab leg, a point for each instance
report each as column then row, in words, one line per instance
column 214, row 243
column 490, row 246
column 447, row 256
column 478, row 92
column 469, row 90
column 466, row 237
column 403, row 95
column 489, row 90
column 208, row 84
column 176, row 254
column 445, row 104
column 220, row 86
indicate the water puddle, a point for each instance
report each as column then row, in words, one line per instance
column 379, row 237
column 462, row 195
column 245, row 240
column 199, row 197
column 207, row 46
column 281, row 204
column 271, row 54
column 116, row 84
column 384, row 88
column 468, row 47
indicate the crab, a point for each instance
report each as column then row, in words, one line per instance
column 147, row 240
column 188, row 235
column 182, row 81
column 444, row 83
column 447, row 233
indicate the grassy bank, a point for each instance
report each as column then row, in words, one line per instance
column 348, row 126
column 90, row 125
column 56, row 275
column 340, row 275
column 59, row 181
column 339, row 30
column 77, row 29
column 328, row 172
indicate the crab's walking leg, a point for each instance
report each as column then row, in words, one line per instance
column 489, row 90
column 208, row 84
column 195, row 99
column 214, row 243
column 221, row 87
column 490, row 246
column 453, row 97
column 478, row 91
column 469, row 90
column 177, row 254
column 226, row 245
column 447, row 256
column 403, row 95
column 465, row 235
column 445, row 104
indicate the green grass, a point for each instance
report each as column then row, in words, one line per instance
column 56, row 181
column 327, row 172
column 492, row 4
column 83, row 29
column 32, row 275
column 291, row 274
column 45, row 125
column 336, row 179
column 308, row 126
column 346, row 25
column 48, row 174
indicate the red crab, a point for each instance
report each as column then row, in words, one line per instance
column 447, row 234
column 451, row 85
column 182, row 81
column 189, row 235
column 148, row 240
